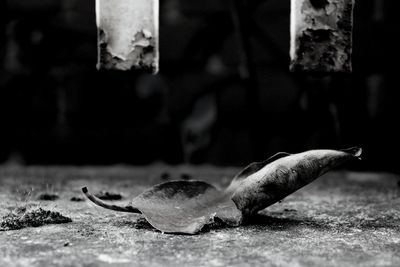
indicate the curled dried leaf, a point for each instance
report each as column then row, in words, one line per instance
column 187, row 206
column 263, row 184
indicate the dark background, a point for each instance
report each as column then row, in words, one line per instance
column 56, row 108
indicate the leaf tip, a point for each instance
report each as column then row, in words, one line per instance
column 355, row 151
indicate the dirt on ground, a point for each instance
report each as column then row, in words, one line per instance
column 23, row 217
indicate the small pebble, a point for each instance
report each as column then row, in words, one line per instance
column 77, row 199
column 104, row 195
column 48, row 197
column 290, row 210
column 185, row 176
column 165, row 176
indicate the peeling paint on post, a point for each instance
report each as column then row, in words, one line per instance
column 321, row 35
column 127, row 34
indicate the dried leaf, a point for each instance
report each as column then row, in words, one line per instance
column 251, row 169
column 187, row 206
column 180, row 206
column 263, row 184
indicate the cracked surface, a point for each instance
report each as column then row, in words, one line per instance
column 342, row 219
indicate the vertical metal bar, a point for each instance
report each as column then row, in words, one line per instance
column 321, row 35
column 128, row 34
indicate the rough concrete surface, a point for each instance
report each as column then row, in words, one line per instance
column 342, row 219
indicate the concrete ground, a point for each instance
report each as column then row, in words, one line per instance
column 342, row 219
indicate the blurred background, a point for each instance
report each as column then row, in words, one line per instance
column 224, row 94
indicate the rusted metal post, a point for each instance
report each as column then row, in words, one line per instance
column 321, row 35
column 127, row 34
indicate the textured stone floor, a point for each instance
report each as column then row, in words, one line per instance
column 342, row 219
